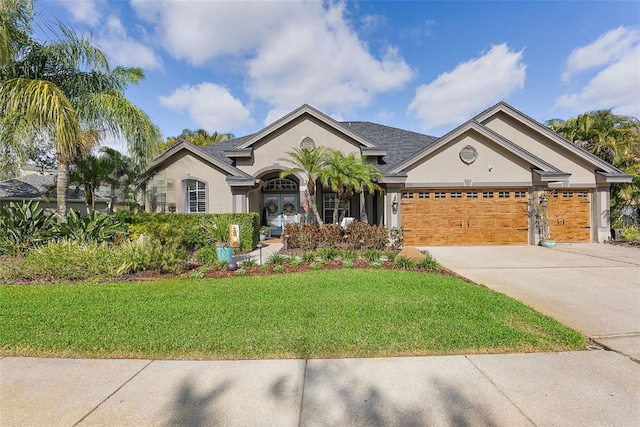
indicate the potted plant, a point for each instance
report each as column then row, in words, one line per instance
column 218, row 233
column 539, row 203
column 264, row 231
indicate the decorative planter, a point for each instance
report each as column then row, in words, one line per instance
column 547, row 243
column 224, row 253
column 262, row 237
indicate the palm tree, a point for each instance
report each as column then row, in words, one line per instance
column 64, row 89
column 309, row 162
column 200, row 138
column 347, row 175
column 337, row 177
column 613, row 138
column 89, row 172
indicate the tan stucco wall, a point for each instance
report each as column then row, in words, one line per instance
column 186, row 166
column 582, row 173
column 494, row 165
column 266, row 153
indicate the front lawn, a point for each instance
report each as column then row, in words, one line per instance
column 330, row 313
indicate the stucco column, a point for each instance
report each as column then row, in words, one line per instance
column 601, row 213
column 393, row 197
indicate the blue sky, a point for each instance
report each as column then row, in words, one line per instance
column 423, row 66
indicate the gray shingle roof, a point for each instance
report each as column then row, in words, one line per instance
column 400, row 144
column 36, row 186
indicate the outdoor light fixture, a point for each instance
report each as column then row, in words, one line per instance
column 394, row 205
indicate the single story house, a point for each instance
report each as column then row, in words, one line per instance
column 468, row 187
column 40, row 187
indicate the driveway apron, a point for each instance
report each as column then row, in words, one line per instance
column 593, row 288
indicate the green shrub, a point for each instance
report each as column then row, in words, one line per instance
column 349, row 254
column 631, row 234
column 196, row 275
column 389, row 255
column 68, row 260
column 93, row 227
column 403, row 263
column 184, row 229
column 23, row 226
column 309, row 257
column 277, row 259
column 166, row 258
column 376, row 265
column 134, row 256
column 206, row 255
column 329, row 253
column 316, row 265
column 240, row 272
column 372, row 255
column 250, row 262
column 428, row 263
column 347, row 263
column 278, row 269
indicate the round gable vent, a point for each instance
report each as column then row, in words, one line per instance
column 468, row 154
column 307, row 143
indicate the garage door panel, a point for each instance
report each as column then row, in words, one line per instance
column 570, row 216
column 467, row 218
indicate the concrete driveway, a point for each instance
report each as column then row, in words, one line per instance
column 593, row 288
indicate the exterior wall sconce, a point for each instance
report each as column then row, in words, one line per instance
column 394, row 205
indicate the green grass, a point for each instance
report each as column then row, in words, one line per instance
column 331, row 313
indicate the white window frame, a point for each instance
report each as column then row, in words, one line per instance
column 328, row 203
column 200, row 196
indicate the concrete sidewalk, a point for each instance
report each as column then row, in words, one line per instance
column 595, row 388
column 593, row 288
column 261, row 254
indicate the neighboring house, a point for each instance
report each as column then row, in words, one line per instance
column 470, row 186
column 40, row 187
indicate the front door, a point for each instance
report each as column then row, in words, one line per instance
column 280, row 209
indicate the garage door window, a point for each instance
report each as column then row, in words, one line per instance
column 583, row 194
column 456, row 195
column 439, row 195
column 503, row 194
column 487, row 194
column 423, row 195
column 472, row 195
column 407, row 195
column 567, row 195
column 520, row 194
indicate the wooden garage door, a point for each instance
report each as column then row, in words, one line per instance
column 464, row 217
column 570, row 216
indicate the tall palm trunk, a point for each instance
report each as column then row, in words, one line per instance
column 62, row 185
column 314, row 207
column 363, row 208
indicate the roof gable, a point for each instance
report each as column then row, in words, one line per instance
column 474, row 126
column 198, row 152
column 503, row 107
column 305, row 109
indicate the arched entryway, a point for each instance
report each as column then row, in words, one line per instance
column 281, row 203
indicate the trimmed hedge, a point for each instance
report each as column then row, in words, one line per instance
column 184, row 230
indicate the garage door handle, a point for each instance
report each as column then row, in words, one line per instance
column 460, row 224
column 467, row 224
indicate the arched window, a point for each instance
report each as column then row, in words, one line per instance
column 280, row 184
column 196, row 196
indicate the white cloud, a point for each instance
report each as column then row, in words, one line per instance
column 615, row 58
column 122, row 49
column 616, row 86
column 609, row 48
column 84, row 11
column 210, row 107
column 294, row 52
column 453, row 97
